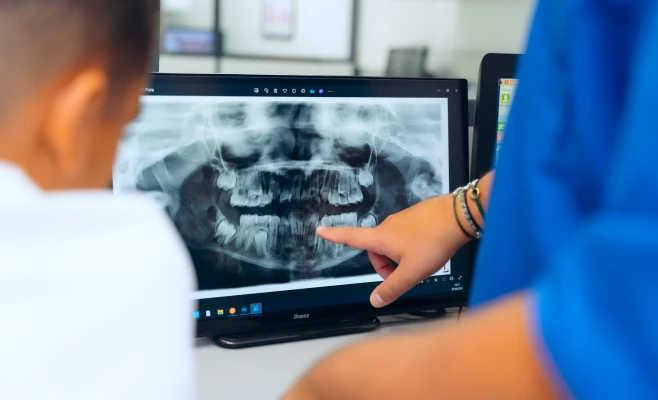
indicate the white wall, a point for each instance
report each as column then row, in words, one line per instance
column 322, row 30
column 401, row 23
column 196, row 14
column 490, row 26
column 188, row 64
column 230, row 65
column 457, row 32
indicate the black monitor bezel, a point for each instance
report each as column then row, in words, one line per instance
column 494, row 67
column 458, row 150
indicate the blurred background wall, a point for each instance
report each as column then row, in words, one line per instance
column 439, row 38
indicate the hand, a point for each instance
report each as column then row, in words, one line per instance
column 420, row 240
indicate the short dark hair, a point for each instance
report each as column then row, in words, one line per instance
column 39, row 38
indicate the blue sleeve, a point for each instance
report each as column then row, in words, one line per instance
column 536, row 122
column 597, row 300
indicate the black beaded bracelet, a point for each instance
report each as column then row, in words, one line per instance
column 478, row 229
column 461, row 195
column 459, row 223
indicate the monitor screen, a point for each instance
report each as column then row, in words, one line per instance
column 506, row 92
column 188, row 41
column 249, row 168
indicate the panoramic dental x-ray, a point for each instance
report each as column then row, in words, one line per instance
column 247, row 181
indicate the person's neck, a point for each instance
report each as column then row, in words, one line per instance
column 16, row 151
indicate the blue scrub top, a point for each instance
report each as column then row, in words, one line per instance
column 574, row 211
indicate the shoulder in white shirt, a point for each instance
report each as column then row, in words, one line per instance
column 94, row 297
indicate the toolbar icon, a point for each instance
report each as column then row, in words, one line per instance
column 256, row 90
column 207, row 313
column 257, row 308
column 321, row 91
column 312, row 91
column 232, row 311
column 294, row 90
column 275, row 91
column 267, row 90
column 220, row 312
column 303, row 91
column 285, row 90
column 196, row 315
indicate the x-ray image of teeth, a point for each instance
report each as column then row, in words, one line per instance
column 248, row 182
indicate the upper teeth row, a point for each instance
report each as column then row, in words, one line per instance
column 338, row 189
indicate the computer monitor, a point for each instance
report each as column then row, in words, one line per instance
column 183, row 41
column 249, row 166
column 407, row 62
column 496, row 90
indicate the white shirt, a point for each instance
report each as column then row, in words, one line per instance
column 94, row 297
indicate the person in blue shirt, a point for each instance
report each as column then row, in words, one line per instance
column 566, row 285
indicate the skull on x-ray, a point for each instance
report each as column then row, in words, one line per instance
column 253, row 181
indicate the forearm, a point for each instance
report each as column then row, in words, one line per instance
column 489, row 355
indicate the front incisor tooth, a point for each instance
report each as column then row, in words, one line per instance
column 366, row 179
column 369, row 221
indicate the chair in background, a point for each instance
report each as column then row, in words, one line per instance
column 407, row 62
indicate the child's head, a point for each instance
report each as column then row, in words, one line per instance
column 71, row 72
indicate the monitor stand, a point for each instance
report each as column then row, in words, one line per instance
column 238, row 341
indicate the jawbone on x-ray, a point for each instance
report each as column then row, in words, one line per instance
column 248, row 183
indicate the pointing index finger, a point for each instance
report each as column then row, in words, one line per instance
column 358, row 238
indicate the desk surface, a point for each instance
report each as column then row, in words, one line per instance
column 264, row 373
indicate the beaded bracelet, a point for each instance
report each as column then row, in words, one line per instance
column 478, row 228
column 469, row 218
column 454, row 209
column 475, row 195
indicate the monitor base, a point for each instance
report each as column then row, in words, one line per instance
column 435, row 313
column 238, row 341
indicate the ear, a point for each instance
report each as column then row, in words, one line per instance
column 74, row 107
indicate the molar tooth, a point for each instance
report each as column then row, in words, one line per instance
column 265, row 200
column 274, row 222
column 349, row 219
column 326, row 221
column 253, row 201
column 334, row 198
column 225, row 231
column 248, row 220
column 368, row 222
column 238, row 199
column 260, row 242
column 356, row 197
column 227, row 180
column 366, row 179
